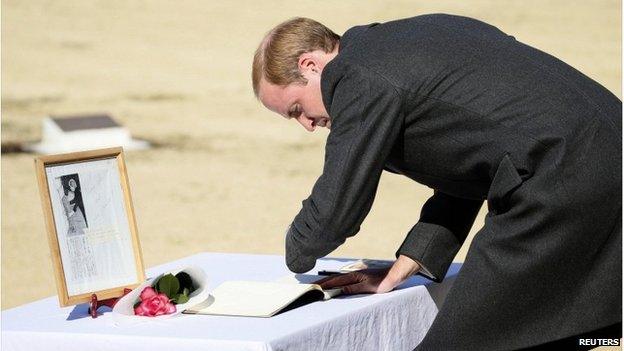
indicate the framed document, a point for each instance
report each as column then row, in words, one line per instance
column 90, row 223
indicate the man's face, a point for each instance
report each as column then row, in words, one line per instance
column 298, row 101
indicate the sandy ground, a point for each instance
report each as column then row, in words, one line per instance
column 228, row 175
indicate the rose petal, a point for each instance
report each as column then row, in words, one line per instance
column 153, row 303
column 163, row 298
column 147, row 293
column 171, row 308
column 138, row 311
column 142, row 311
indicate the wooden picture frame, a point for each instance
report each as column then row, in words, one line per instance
column 90, row 224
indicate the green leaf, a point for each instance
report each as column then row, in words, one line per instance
column 155, row 282
column 169, row 285
column 185, row 281
column 181, row 298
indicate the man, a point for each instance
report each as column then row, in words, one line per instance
column 457, row 105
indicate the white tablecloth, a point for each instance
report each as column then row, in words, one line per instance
column 393, row 321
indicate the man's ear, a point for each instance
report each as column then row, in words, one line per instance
column 308, row 62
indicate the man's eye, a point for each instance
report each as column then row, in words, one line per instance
column 294, row 113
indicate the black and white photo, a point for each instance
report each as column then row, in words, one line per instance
column 73, row 205
column 92, row 223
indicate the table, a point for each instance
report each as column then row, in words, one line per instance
column 393, row 321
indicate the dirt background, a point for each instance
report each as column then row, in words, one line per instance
column 228, row 176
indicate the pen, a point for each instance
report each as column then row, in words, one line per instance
column 325, row 272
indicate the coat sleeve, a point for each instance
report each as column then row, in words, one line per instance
column 366, row 120
column 434, row 241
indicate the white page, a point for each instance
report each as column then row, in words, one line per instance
column 250, row 298
column 310, row 279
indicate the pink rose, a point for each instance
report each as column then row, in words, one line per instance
column 154, row 304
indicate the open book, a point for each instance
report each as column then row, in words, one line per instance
column 263, row 299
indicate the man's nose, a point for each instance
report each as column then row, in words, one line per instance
column 307, row 123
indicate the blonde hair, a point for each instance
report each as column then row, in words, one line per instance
column 276, row 59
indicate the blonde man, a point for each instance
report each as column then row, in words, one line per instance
column 457, row 105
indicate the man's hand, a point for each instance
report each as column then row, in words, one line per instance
column 363, row 281
column 373, row 280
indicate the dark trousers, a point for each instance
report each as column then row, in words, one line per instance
column 613, row 331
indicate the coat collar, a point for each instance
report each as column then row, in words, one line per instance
column 331, row 75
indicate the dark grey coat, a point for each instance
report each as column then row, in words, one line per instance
column 458, row 105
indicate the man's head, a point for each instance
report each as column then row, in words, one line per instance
column 287, row 67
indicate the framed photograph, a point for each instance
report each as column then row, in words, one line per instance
column 90, row 222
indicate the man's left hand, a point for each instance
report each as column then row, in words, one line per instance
column 359, row 282
column 374, row 281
